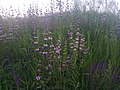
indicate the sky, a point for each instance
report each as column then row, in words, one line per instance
column 24, row 4
column 21, row 4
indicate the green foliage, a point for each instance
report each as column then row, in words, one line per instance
column 72, row 70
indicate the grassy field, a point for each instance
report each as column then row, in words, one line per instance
column 74, row 50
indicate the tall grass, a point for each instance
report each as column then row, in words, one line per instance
column 76, row 49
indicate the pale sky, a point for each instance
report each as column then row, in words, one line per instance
column 21, row 4
column 24, row 4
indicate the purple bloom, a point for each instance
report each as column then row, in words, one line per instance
column 45, row 39
column 71, row 45
column 76, row 46
column 45, row 34
column 58, row 47
column 45, row 45
column 52, row 46
column 77, row 42
column 35, row 43
column 77, row 39
column 35, row 37
column 45, row 53
column 57, row 50
column 50, row 38
column 38, row 78
column 70, row 34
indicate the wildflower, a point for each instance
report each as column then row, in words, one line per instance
column 70, row 34
column 82, row 40
column 45, row 53
column 45, row 39
column 58, row 47
column 71, row 45
column 51, row 46
column 77, row 39
column 77, row 42
column 37, row 49
column 45, row 45
column 50, row 38
column 38, row 77
column 35, row 37
column 76, row 46
column 57, row 50
column 84, row 52
column 35, row 43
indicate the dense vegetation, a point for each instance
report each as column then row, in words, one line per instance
column 76, row 49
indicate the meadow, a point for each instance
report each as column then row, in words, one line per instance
column 77, row 49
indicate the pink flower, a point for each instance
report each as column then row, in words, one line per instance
column 35, row 43
column 45, row 39
column 38, row 78
column 50, row 38
column 45, row 53
column 45, row 45
column 35, row 37
column 52, row 46
column 77, row 39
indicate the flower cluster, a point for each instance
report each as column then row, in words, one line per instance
column 53, row 53
column 1, row 32
column 10, row 33
column 76, row 46
column 58, row 48
column 117, row 31
column 77, row 40
column 70, row 34
column 45, row 45
column 35, row 39
column 104, row 18
column 5, row 36
column 38, row 77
